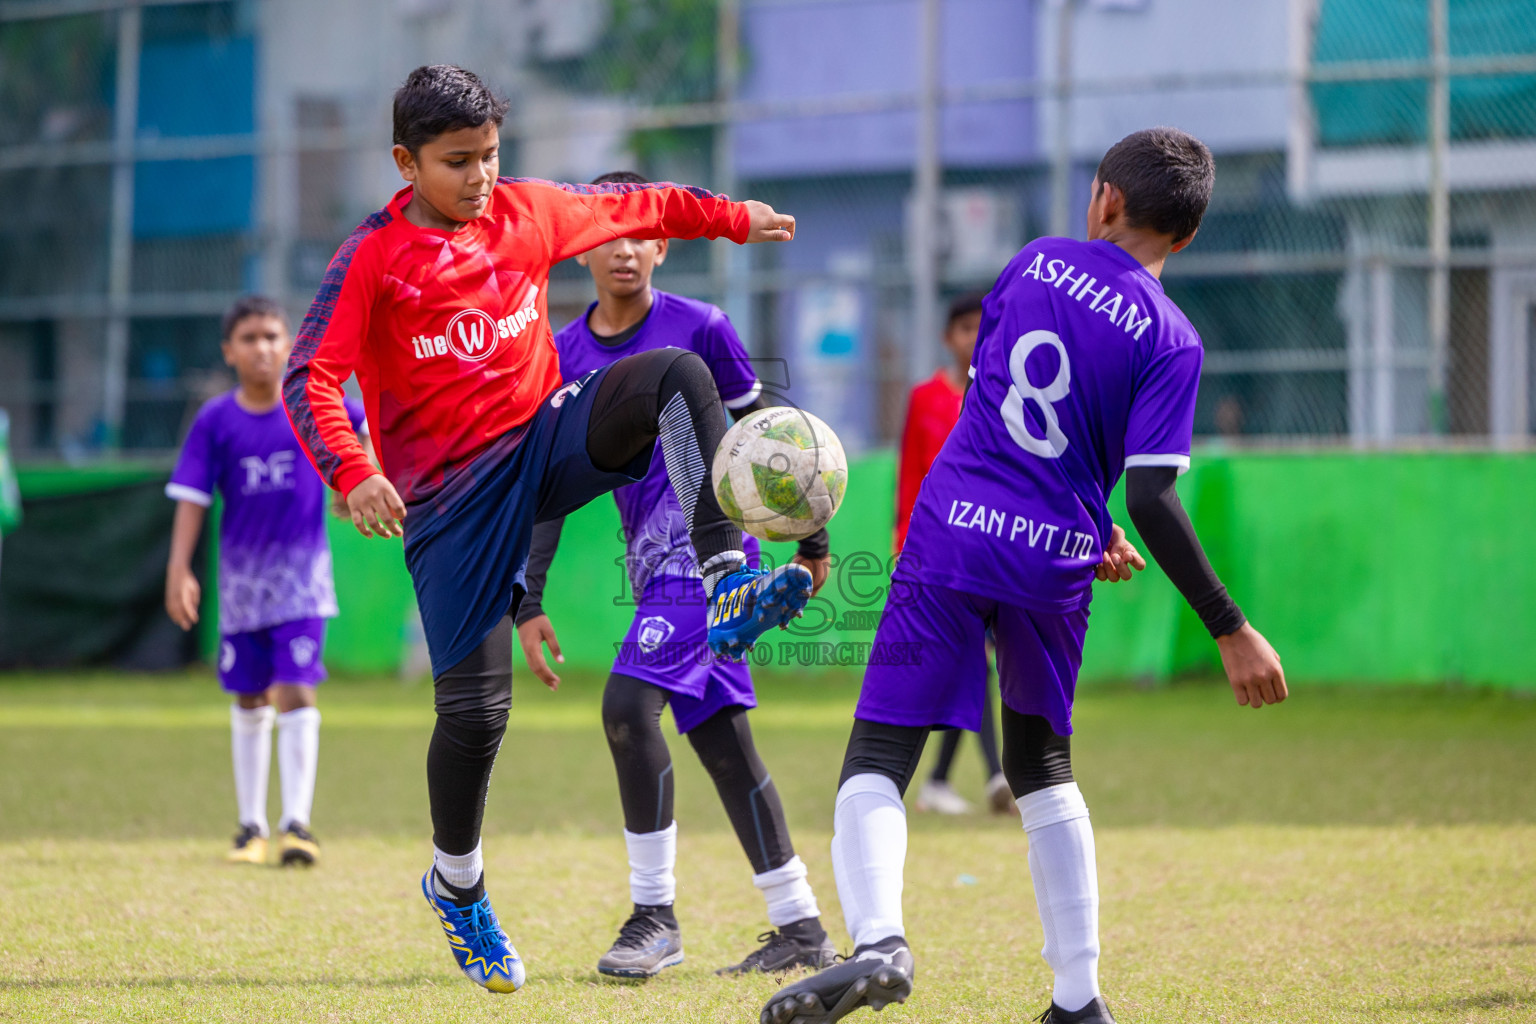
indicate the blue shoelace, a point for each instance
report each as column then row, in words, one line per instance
column 484, row 930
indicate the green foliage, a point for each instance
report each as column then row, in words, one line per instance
column 56, row 78
column 652, row 52
column 655, row 51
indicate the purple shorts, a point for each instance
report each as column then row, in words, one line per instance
column 286, row 653
column 929, row 662
column 665, row 646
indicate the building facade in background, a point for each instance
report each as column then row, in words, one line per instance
column 163, row 157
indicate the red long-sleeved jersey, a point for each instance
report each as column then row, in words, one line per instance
column 932, row 411
column 448, row 331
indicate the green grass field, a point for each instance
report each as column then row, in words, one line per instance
column 1353, row 855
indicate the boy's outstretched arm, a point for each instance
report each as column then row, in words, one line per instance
column 183, row 594
column 582, row 217
column 1252, row 666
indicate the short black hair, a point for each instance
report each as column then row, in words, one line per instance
column 620, row 178
column 250, row 305
column 438, row 98
column 963, row 305
column 1166, row 176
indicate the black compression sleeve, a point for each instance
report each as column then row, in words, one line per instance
column 746, row 410
column 546, row 539
column 818, row 544
column 1152, row 499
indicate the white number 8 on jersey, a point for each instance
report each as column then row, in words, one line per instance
column 1054, row 442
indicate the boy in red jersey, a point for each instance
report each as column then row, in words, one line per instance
column 437, row 304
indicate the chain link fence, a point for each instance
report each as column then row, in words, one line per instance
column 1366, row 274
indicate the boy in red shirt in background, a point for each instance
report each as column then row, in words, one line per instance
column 437, row 302
column 932, row 410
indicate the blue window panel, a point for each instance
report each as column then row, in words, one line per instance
column 193, row 197
column 188, row 89
column 199, row 87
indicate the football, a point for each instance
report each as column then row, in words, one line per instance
column 780, row 474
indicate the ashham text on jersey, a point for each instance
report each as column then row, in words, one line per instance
column 1121, row 313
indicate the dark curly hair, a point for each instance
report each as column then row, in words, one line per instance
column 438, row 98
column 1166, row 176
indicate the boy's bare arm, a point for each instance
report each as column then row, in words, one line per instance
column 183, row 594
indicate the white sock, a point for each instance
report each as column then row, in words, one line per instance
column 250, row 735
column 1061, row 861
column 652, row 866
column 869, row 851
column 461, row 872
column 789, row 895
column 298, row 749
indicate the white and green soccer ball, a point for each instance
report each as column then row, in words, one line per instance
column 780, row 474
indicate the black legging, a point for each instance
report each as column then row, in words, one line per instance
column 666, row 395
column 472, row 701
column 632, row 720
column 1034, row 756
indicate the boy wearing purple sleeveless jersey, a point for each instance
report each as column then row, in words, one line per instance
column 663, row 658
column 1084, row 369
column 275, row 588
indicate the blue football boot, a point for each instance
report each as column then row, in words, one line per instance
column 749, row 602
column 483, row 951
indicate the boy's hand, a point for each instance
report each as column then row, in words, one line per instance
column 768, row 226
column 1253, row 667
column 183, row 594
column 820, row 569
column 534, row 634
column 376, row 508
column 1120, row 558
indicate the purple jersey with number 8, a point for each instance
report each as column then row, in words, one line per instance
column 1083, row 367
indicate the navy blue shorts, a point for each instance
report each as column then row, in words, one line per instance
column 467, row 545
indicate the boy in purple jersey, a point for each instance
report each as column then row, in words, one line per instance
column 275, row 588
column 663, row 658
column 1084, row 369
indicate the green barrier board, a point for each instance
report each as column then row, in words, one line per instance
column 1360, row 568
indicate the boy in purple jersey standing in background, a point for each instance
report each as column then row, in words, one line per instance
column 275, row 587
column 1083, row 369
column 663, row 658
